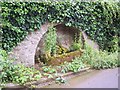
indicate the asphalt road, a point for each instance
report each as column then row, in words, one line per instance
column 95, row 79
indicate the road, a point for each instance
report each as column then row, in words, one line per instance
column 95, row 79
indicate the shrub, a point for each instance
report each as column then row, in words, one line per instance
column 15, row 73
column 99, row 59
column 92, row 58
column 75, row 46
column 106, row 60
column 74, row 66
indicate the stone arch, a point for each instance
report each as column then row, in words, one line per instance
column 25, row 51
column 65, row 38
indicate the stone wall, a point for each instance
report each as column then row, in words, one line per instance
column 26, row 50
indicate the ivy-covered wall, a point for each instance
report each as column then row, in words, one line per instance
column 100, row 20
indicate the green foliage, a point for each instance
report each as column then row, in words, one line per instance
column 74, row 66
column 51, row 41
column 60, row 80
column 92, row 58
column 99, row 19
column 105, row 60
column 75, row 46
column 99, row 59
column 49, row 69
column 15, row 73
column 48, row 75
column 118, row 61
column 3, row 55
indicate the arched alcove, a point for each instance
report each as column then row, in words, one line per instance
column 26, row 51
column 65, row 38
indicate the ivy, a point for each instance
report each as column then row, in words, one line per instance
column 99, row 19
column 51, row 41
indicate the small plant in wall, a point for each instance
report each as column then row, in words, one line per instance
column 50, row 42
column 77, row 44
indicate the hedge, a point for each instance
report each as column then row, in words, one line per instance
column 100, row 20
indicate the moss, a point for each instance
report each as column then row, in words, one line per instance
column 61, row 50
column 59, row 59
